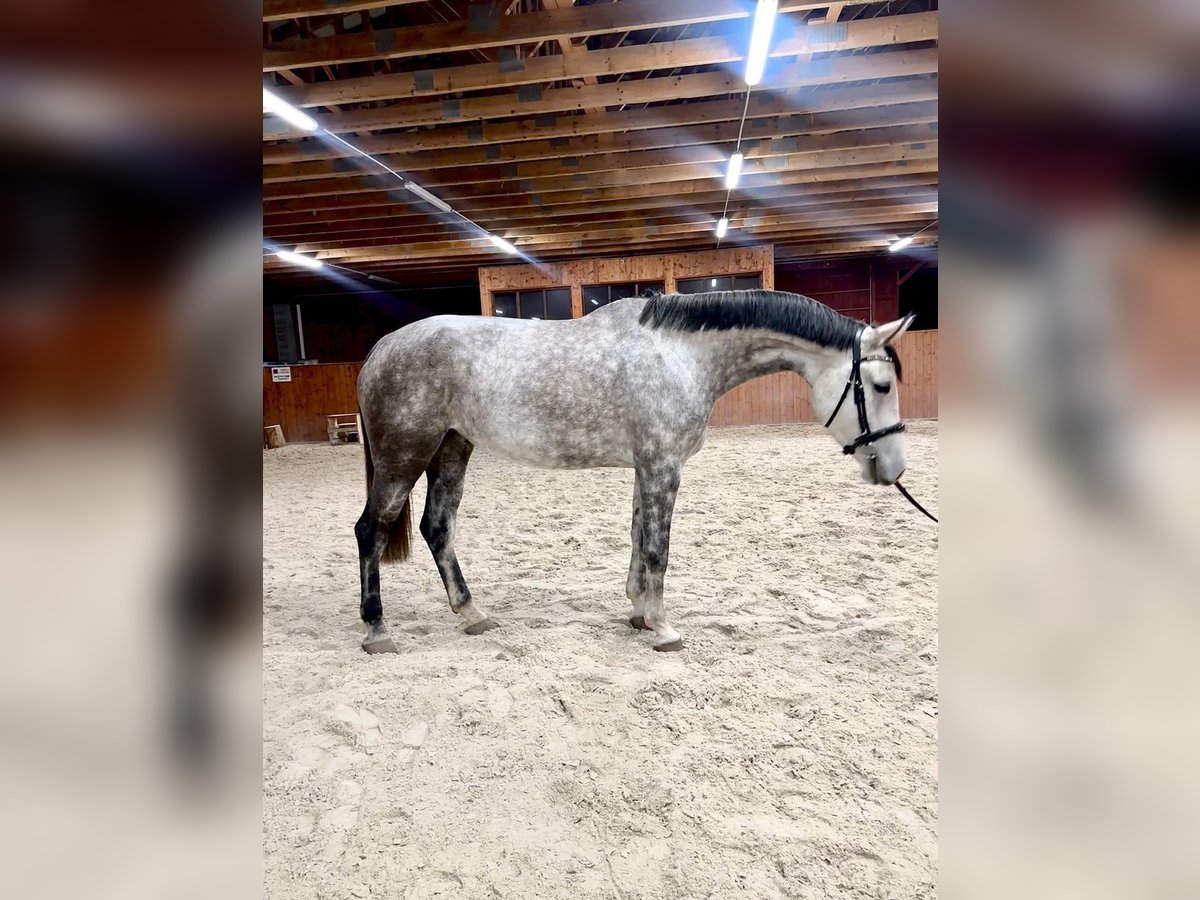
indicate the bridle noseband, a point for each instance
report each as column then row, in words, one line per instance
column 866, row 435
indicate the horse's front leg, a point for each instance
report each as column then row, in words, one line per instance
column 635, row 584
column 659, row 483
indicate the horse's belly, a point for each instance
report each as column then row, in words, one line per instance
column 561, row 446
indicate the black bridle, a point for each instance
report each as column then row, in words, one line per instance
column 866, row 436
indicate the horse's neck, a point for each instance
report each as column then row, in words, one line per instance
column 731, row 358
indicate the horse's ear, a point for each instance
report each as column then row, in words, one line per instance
column 875, row 336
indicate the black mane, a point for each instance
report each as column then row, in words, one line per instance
column 780, row 311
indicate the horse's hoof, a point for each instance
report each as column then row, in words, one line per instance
column 379, row 642
column 639, row 623
column 670, row 646
column 480, row 627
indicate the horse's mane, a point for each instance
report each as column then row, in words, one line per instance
column 780, row 311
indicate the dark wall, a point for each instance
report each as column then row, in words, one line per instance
column 864, row 288
column 343, row 327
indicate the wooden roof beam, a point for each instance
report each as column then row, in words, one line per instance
column 484, row 30
column 699, row 184
column 511, row 155
column 582, row 63
column 707, row 215
column 481, row 248
column 904, row 142
column 762, row 105
column 400, row 215
column 829, row 70
column 282, row 10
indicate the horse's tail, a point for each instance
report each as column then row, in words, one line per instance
column 399, row 544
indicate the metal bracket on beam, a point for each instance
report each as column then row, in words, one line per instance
column 529, row 93
column 451, row 109
column 544, row 120
column 569, row 162
column 833, row 33
column 509, row 61
column 474, row 133
column 482, row 18
column 509, row 170
column 423, row 80
column 560, row 142
column 492, row 151
column 385, row 41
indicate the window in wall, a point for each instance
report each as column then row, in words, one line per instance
column 919, row 294
column 552, row 303
column 749, row 282
column 598, row 295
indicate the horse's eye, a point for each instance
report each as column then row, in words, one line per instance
column 881, row 388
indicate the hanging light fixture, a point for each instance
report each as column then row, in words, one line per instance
column 760, row 40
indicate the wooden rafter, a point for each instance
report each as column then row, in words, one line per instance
column 763, row 106
column 512, row 209
column 583, row 64
column 661, row 139
column 507, row 31
column 540, row 122
column 698, row 163
column 282, row 10
column 778, row 199
column 835, row 70
column 681, row 189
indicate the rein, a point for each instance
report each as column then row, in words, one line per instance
column 866, row 435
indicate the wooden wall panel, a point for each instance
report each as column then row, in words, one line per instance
column 301, row 405
column 666, row 267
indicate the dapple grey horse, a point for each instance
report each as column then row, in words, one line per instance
column 632, row 384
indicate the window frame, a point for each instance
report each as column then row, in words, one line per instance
column 659, row 284
column 517, row 292
column 730, row 275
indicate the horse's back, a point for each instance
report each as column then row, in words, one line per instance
column 567, row 393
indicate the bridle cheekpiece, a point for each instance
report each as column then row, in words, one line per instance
column 866, row 435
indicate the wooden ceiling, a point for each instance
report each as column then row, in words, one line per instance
column 594, row 128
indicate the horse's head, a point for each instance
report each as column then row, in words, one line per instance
column 858, row 400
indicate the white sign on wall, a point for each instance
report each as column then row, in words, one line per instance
column 281, row 373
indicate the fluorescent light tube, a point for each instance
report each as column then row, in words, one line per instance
column 734, row 171
column 428, row 197
column 299, row 259
column 289, row 113
column 504, row 245
column 901, row 244
column 760, row 40
column 722, row 227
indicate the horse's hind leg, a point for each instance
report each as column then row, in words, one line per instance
column 387, row 499
column 446, row 474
